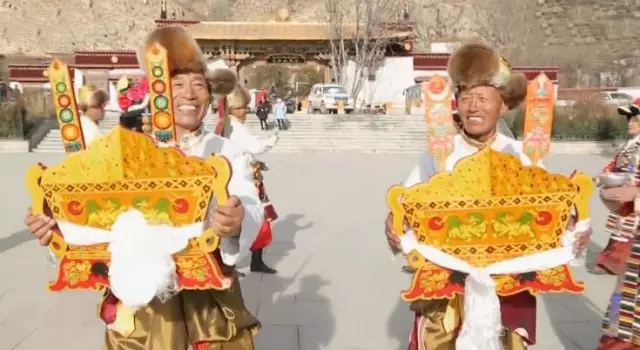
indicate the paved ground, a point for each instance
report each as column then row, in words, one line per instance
column 337, row 289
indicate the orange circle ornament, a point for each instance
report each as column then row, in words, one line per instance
column 64, row 101
column 162, row 120
column 158, row 87
column 70, row 132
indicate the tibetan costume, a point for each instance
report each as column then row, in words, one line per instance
column 241, row 136
column 621, row 225
column 621, row 325
column 435, row 326
column 144, row 306
column 488, row 320
column 203, row 319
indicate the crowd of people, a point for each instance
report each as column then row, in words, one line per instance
column 219, row 319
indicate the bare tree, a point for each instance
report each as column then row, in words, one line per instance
column 510, row 26
column 437, row 21
column 359, row 33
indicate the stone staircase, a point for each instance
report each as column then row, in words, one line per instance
column 315, row 132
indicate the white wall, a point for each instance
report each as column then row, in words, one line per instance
column 394, row 75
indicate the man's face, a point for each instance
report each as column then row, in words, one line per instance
column 96, row 113
column 480, row 108
column 190, row 100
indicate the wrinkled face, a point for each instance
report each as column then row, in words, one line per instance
column 191, row 99
column 634, row 126
column 480, row 108
column 240, row 113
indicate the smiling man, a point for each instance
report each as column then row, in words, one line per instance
column 196, row 319
column 485, row 88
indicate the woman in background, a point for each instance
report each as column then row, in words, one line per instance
column 621, row 257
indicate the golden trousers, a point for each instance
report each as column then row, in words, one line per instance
column 204, row 319
column 433, row 331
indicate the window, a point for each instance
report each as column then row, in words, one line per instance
column 334, row 90
column 621, row 96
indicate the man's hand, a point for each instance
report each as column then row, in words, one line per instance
column 41, row 227
column 582, row 241
column 582, row 238
column 392, row 239
column 623, row 194
column 226, row 220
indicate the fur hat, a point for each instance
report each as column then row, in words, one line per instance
column 91, row 96
column 185, row 56
column 477, row 64
column 240, row 97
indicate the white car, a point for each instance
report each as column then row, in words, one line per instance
column 325, row 97
column 613, row 98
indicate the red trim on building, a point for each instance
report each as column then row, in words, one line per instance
column 174, row 22
column 29, row 73
column 439, row 61
column 105, row 59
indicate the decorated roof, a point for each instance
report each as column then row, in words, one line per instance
column 30, row 73
column 174, row 22
column 292, row 31
column 115, row 59
column 439, row 61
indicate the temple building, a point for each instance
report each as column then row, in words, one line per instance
column 248, row 46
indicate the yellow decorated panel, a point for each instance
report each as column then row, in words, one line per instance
column 124, row 170
column 489, row 209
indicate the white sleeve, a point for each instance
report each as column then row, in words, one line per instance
column 243, row 187
column 90, row 131
column 242, row 137
column 421, row 172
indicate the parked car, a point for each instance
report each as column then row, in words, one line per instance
column 612, row 98
column 325, row 97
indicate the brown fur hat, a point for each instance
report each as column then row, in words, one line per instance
column 185, row 56
column 240, row 97
column 477, row 64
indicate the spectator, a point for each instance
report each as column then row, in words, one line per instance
column 263, row 114
column 3, row 91
column 280, row 111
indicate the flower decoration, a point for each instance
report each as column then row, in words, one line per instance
column 133, row 94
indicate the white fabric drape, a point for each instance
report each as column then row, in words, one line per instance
column 482, row 322
column 142, row 265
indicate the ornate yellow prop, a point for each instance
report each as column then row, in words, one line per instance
column 121, row 171
column 158, row 71
column 439, row 118
column 491, row 208
column 538, row 118
column 64, row 100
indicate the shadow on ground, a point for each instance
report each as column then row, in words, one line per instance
column 399, row 324
column 575, row 319
column 14, row 240
column 284, row 231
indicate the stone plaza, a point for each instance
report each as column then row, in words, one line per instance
column 337, row 287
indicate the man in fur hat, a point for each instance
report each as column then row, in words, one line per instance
column 91, row 104
column 238, row 106
column 202, row 319
column 485, row 88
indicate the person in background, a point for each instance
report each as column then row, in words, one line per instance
column 91, row 104
column 238, row 102
column 263, row 114
column 621, row 326
column 280, row 111
column 3, row 91
column 622, row 222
